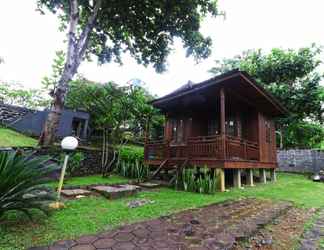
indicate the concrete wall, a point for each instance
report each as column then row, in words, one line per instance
column 33, row 123
column 301, row 160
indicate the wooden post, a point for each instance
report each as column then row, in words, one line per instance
column 249, row 177
column 273, row 175
column 237, row 178
column 263, row 175
column 238, row 125
column 222, row 121
column 222, row 179
column 146, row 131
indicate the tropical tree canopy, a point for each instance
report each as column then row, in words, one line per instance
column 293, row 77
column 144, row 29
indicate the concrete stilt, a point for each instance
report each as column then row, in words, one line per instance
column 263, row 175
column 222, row 179
column 237, row 178
column 273, row 175
column 249, row 177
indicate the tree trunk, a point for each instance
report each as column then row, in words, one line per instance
column 52, row 122
column 75, row 53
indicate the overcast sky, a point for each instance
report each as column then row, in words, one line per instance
column 29, row 40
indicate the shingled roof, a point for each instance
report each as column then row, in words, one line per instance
column 9, row 114
column 221, row 79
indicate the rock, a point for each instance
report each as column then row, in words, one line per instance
column 139, row 203
column 188, row 230
column 266, row 242
column 194, row 222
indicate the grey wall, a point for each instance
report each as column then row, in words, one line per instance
column 301, row 160
column 33, row 123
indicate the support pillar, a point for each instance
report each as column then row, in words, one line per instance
column 249, row 177
column 237, row 178
column 273, row 175
column 222, row 179
column 222, row 122
column 263, row 175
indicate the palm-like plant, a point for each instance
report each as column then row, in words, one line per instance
column 22, row 180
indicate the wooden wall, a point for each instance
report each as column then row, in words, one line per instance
column 267, row 146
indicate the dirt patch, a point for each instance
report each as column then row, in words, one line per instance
column 283, row 233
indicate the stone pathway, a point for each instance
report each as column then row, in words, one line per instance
column 217, row 226
column 311, row 238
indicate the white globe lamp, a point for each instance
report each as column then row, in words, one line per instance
column 68, row 144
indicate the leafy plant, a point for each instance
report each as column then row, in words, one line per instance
column 197, row 180
column 74, row 163
column 21, row 186
column 136, row 170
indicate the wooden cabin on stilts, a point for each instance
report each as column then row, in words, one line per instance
column 224, row 123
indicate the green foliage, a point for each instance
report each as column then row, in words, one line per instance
column 198, row 180
column 120, row 109
column 293, row 77
column 75, row 160
column 304, row 135
column 22, row 179
column 130, row 163
column 15, row 94
column 131, row 154
column 49, row 82
column 146, row 30
column 134, row 170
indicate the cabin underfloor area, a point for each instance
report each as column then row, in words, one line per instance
column 230, row 175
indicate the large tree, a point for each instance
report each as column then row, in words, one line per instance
column 293, row 77
column 145, row 29
column 118, row 112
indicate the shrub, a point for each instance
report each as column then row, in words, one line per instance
column 198, row 180
column 74, row 162
column 135, row 170
column 21, row 186
column 131, row 154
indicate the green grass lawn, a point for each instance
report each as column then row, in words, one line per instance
column 10, row 138
column 90, row 180
column 94, row 214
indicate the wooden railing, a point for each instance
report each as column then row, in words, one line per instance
column 203, row 147
column 156, row 150
column 237, row 148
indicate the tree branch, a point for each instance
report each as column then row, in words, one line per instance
column 84, row 37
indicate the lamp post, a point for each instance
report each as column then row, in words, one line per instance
column 68, row 145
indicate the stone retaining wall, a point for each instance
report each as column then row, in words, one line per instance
column 90, row 165
column 301, row 160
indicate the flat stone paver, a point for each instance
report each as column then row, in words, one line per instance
column 149, row 184
column 216, row 226
column 75, row 192
column 116, row 191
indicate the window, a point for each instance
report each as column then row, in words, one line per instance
column 231, row 125
column 177, row 130
column 268, row 131
column 212, row 127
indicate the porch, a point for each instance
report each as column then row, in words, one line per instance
column 203, row 150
